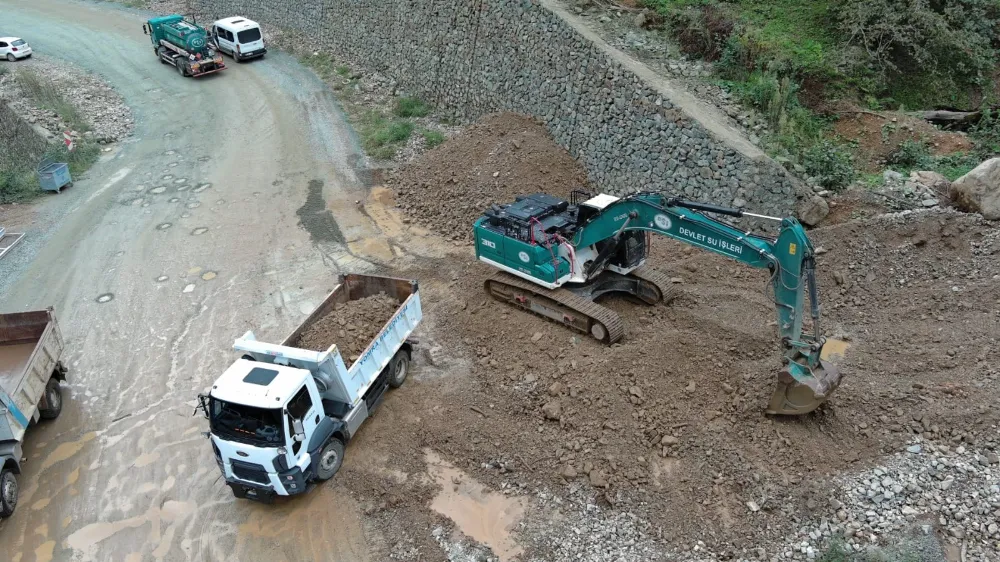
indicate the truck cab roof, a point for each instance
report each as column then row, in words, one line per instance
column 261, row 385
column 236, row 23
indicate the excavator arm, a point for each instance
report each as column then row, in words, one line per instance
column 805, row 379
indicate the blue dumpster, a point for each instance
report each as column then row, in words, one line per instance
column 53, row 176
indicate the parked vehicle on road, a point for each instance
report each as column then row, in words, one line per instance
column 14, row 48
column 280, row 416
column 239, row 37
column 178, row 41
column 30, row 370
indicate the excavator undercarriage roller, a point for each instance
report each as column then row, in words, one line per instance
column 559, row 305
column 574, row 307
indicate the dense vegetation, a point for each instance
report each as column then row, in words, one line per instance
column 791, row 59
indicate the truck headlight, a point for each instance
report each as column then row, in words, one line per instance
column 282, row 451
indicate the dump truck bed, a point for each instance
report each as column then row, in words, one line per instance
column 30, row 347
column 345, row 384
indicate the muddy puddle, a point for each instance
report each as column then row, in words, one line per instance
column 484, row 516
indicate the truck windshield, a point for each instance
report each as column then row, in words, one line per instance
column 249, row 35
column 255, row 426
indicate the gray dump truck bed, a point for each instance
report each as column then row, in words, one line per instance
column 30, row 347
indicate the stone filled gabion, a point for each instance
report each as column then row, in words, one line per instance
column 470, row 58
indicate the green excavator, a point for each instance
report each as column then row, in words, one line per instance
column 557, row 257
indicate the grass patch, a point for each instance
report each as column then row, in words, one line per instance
column 381, row 136
column 411, row 107
column 45, row 95
column 342, row 70
column 18, row 185
column 432, row 138
column 322, row 64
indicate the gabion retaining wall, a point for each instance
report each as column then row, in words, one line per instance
column 22, row 146
column 475, row 57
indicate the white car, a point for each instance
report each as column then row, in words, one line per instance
column 13, row 48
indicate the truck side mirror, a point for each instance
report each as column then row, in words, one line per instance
column 144, row 30
column 298, row 432
column 202, row 405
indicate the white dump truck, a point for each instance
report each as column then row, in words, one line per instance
column 30, row 370
column 280, row 416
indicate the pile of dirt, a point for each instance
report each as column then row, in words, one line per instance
column 880, row 135
column 501, row 156
column 351, row 325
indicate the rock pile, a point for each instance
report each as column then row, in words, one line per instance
column 350, row 325
column 920, row 190
column 101, row 107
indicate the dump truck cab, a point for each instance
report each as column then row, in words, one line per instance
column 260, row 415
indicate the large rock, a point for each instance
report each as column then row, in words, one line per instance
column 979, row 190
column 813, row 210
column 932, row 180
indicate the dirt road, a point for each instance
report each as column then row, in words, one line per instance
column 169, row 248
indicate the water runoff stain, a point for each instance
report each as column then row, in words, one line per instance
column 316, row 218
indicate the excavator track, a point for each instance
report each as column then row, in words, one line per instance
column 668, row 292
column 559, row 305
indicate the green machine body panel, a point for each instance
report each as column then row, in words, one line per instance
column 579, row 243
column 179, row 32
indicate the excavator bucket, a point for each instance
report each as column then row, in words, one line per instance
column 800, row 396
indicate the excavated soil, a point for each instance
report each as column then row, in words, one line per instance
column 880, row 135
column 669, row 424
column 351, row 325
column 501, row 156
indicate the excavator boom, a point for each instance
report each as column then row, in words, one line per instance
column 557, row 256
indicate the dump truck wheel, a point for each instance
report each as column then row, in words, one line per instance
column 399, row 367
column 53, row 401
column 8, row 493
column 330, row 459
column 180, row 69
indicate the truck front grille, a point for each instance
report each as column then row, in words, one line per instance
column 251, row 472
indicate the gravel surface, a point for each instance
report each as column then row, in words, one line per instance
column 351, row 325
column 104, row 109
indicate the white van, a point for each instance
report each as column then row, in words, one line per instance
column 239, row 37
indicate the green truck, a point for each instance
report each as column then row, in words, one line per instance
column 179, row 41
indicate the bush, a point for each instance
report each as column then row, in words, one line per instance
column 17, row 186
column 432, row 138
column 958, row 40
column 411, row 107
column 910, row 155
column 702, row 31
column 832, row 165
column 986, row 134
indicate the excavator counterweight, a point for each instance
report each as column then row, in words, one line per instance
column 557, row 257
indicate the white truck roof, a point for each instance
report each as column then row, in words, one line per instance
column 260, row 385
column 237, row 22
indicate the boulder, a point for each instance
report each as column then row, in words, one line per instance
column 813, row 210
column 932, row 180
column 979, row 190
